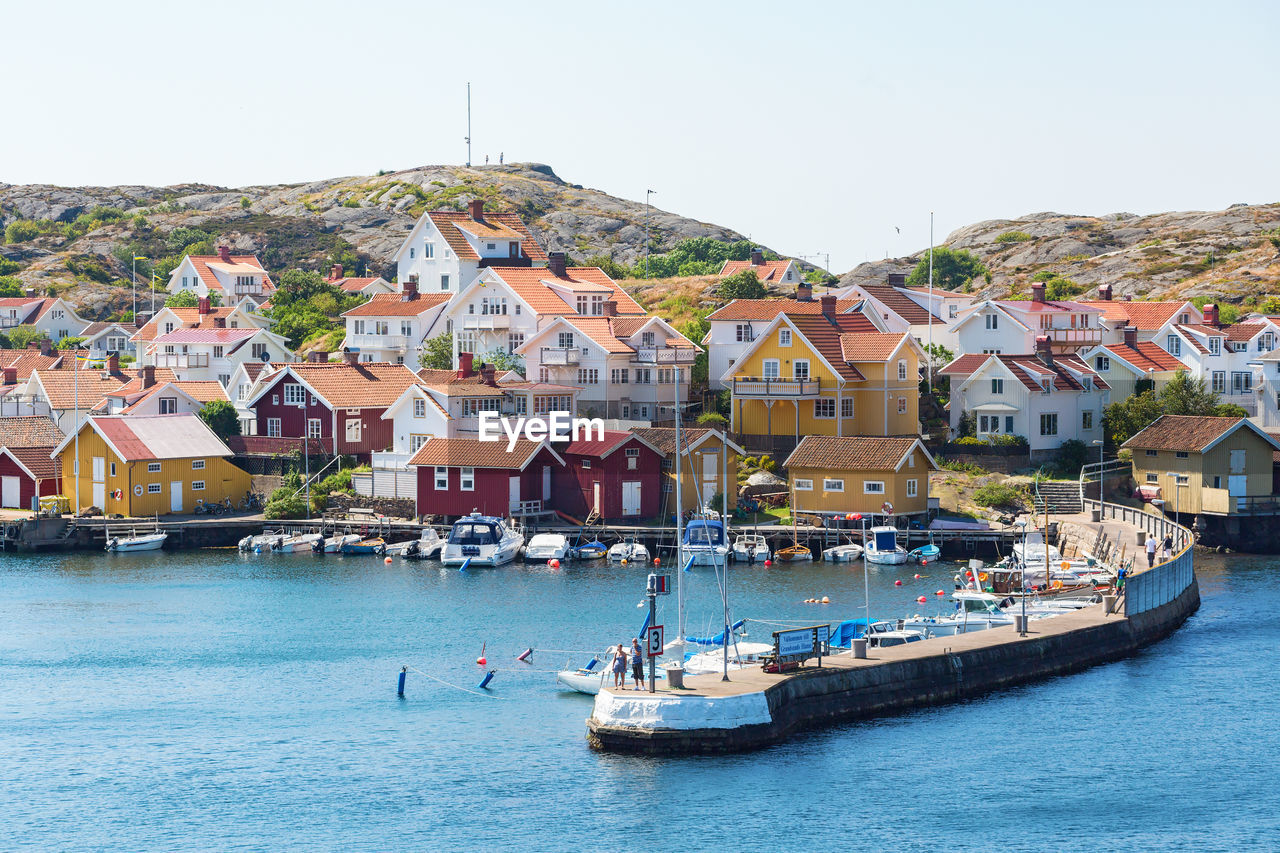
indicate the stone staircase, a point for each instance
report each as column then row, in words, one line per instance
column 1063, row 498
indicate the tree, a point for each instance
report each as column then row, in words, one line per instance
column 1181, row 396
column 1186, row 396
column 20, row 231
column 501, row 360
column 301, row 286
column 69, row 342
column 188, row 299
column 220, row 416
column 438, row 353
column 952, row 269
column 741, row 285
column 10, row 286
column 23, row 336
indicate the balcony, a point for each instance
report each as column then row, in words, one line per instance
column 393, row 342
column 1072, row 339
column 10, row 322
column 182, row 360
column 484, row 322
column 247, row 289
column 554, row 356
column 664, row 355
column 753, row 387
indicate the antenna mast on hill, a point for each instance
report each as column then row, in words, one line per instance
column 468, row 125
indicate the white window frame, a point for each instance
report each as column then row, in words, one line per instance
column 873, row 487
column 273, row 427
column 197, row 464
column 1045, row 424
column 153, row 488
column 824, row 408
column 832, row 484
column 197, row 485
column 466, row 479
column 776, row 365
column 784, row 337
column 442, row 478
column 315, row 428
column 902, row 370
column 805, row 485
column 153, row 467
column 913, row 488
column 997, row 385
column 419, row 407
column 294, row 394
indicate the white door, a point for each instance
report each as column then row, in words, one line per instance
column 100, row 496
column 175, row 496
column 9, row 492
column 1237, row 462
column 596, row 495
column 100, row 482
column 630, row 498
column 546, row 482
column 710, row 476
column 1237, row 486
column 515, row 494
column 99, row 469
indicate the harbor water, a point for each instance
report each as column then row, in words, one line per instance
column 218, row 701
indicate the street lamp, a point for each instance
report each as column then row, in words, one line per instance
column 1022, row 522
column 1102, row 497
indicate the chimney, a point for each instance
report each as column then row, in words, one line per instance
column 219, row 322
column 475, row 207
column 46, row 346
column 465, row 360
column 410, row 292
column 488, row 375
column 224, row 254
column 318, row 356
column 611, row 308
column 1130, row 336
column 829, row 306
column 30, row 292
column 804, row 292
column 1104, row 292
column 148, row 376
column 351, row 358
column 335, row 272
column 757, row 257
column 113, row 363
column 897, row 279
column 1037, row 291
column 1043, row 351
column 11, row 376
column 203, row 305
column 557, row 263
column 141, row 319
column 1210, row 315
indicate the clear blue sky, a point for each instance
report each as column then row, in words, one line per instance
column 810, row 126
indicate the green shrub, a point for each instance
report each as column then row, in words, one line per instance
column 1005, row 440
column 960, row 466
column 10, row 286
column 69, row 342
column 20, row 231
column 1014, row 237
column 997, row 494
column 970, row 441
column 8, row 267
column 715, row 420
column 295, row 507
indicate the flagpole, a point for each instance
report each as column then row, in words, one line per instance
column 929, row 360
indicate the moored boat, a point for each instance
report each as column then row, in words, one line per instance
column 882, row 546
column 143, row 542
column 484, row 540
column 547, row 546
column 704, row 542
column 842, row 553
column 592, row 550
column 376, row 545
column 629, row 550
column 793, row 554
column 427, row 545
column 296, row 543
column 750, row 548
column 333, row 544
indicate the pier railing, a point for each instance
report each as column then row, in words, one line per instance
column 1147, row 589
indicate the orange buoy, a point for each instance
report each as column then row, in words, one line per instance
column 826, row 600
column 897, row 583
column 922, row 599
column 940, row 592
column 768, row 563
column 482, row 660
column 919, row 576
column 624, row 561
column 924, row 562
column 657, row 562
column 555, row 564
column 982, row 576
column 386, row 560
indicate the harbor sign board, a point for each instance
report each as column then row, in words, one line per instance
column 802, row 643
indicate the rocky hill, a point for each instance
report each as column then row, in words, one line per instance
column 1231, row 255
column 84, row 253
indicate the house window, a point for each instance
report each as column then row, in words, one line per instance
column 564, row 340
column 406, row 328
column 313, row 428
column 416, row 440
column 294, row 394
column 224, row 379
column 902, row 370
column 381, row 327
column 1049, row 423
column 419, row 408
column 466, row 341
column 644, row 375
column 1267, row 342
column 800, row 369
column 742, row 333
column 873, row 487
column 586, row 463
column 633, row 458
column 1182, row 454
column 784, row 337
column 902, row 405
column 1102, row 364
column 846, row 407
column 113, row 469
column 1217, row 482
column 243, row 393
column 1086, row 420
column 772, row 368
column 196, row 465
column 168, row 327
column 619, row 375
column 217, row 352
column 912, row 488
column 1174, row 346
column 522, row 405
column 1241, row 382
column 997, row 386
column 357, row 327
column 467, row 479
column 153, row 467
column 804, row 485
column 544, row 374
column 153, row 488
column 1215, row 346
column 1152, row 453
column 411, row 254
column 588, row 376
column 830, row 485
column 258, row 351
column 824, row 407
column 428, row 250
column 988, row 423
column 273, row 427
column 168, row 405
column 646, row 339
column 353, row 430
column 952, row 311
column 197, row 485
column 992, row 351
column 993, row 321
column 1153, row 477
column 444, row 282
column 442, row 478
column 1180, row 479
column 515, row 340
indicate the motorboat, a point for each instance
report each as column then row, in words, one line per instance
column 925, row 553
column 547, row 546
column 882, row 546
column 741, row 654
column 591, row 678
column 373, row 545
column 704, row 542
column 750, row 548
column 144, row 542
column 842, row 553
column 296, row 543
column 484, row 540
column 885, row 634
column 425, row 547
column 975, row 611
column 793, row 554
column 628, row 550
column 261, row 541
column 333, row 544
column 592, row 550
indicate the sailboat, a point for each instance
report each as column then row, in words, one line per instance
column 794, row 553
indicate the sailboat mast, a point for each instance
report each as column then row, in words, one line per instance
column 679, row 526
column 724, row 514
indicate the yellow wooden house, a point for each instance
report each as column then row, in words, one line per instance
column 147, row 465
column 825, row 374
column 838, row 475
column 703, row 453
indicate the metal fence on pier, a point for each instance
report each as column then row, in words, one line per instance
column 1147, row 589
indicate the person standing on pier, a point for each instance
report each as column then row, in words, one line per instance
column 1151, row 551
column 620, row 667
column 637, row 664
column 1166, row 548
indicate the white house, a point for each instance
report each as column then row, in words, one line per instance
column 1122, row 366
column 364, row 285
column 1046, row 398
column 1223, row 356
column 633, row 368
column 391, row 326
column 163, row 398
column 1146, row 318
column 783, row 273
column 929, row 319
column 995, row 326
column 233, row 277
column 102, row 339
column 50, row 315
column 194, row 354
column 505, row 306
column 204, row 316
column 245, row 383
column 445, row 250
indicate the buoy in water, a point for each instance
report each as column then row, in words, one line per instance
column 386, row 560
column 525, row 655
column 897, row 583
column 657, row 562
column 768, row 563
column 941, row 592
column 919, row 576
column 624, row 561
column 922, row 599
column 924, row 561
column 826, row 600
column 555, row 564
column 482, row 660
column 488, row 676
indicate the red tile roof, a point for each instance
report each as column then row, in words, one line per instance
column 353, row 285
column 1146, row 355
column 207, row 336
column 531, row 285
column 202, row 262
column 767, row 309
column 27, row 360
column 37, row 459
column 852, row 453
column 1046, row 306
column 1245, row 331
column 899, row 303
column 394, row 305
column 1029, row 370
column 598, row 448
column 64, row 390
column 200, row 390
column 189, row 318
column 870, row 346
column 472, row 453
column 494, row 226
column 1147, row 316
column 767, row 271
column 826, row 337
column 29, row 431
column 364, row 385
column 447, row 382
column 1183, row 432
column 27, row 309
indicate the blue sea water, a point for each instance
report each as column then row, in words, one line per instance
column 214, row 701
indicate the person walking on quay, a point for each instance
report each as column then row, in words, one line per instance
column 637, row 664
column 1151, row 551
column 1166, row 548
column 620, row 667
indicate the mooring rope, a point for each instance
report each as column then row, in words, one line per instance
column 454, row 686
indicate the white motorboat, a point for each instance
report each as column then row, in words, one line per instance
column 704, row 542
column 589, row 681
column 741, row 654
column 333, row 544
column 485, row 540
column 976, row 611
column 628, row 549
column 425, row 547
column 750, row 548
column 547, row 546
column 842, row 553
column 882, row 546
column 883, row 635
column 261, row 541
column 296, row 543
column 144, row 542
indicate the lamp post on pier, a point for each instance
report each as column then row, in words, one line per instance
column 1102, row 498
